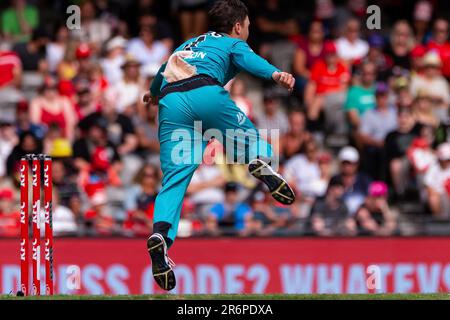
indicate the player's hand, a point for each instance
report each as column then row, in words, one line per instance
column 284, row 79
column 149, row 99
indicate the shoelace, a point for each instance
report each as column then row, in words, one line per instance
column 170, row 261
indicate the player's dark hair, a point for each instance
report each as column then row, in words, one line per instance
column 225, row 14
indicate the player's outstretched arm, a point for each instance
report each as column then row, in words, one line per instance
column 284, row 79
column 245, row 59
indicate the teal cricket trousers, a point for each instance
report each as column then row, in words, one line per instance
column 187, row 120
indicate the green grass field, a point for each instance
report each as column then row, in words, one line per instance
column 434, row 296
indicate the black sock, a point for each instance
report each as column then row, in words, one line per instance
column 162, row 228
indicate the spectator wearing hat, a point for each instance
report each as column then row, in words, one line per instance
column 350, row 47
column 375, row 126
column 395, row 147
column 326, row 91
column 416, row 57
column 230, row 216
column 49, row 108
column 375, row 217
column 83, row 55
column 432, row 82
column 330, row 215
column 18, row 20
column 422, row 108
column 437, row 182
column 440, row 43
column 355, row 183
column 114, row 59
column 146, row 49
column 126, row 94
column 402, row 94
column 361, row 97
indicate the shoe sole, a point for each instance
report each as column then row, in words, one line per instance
column 279, row 188
column 162, row 271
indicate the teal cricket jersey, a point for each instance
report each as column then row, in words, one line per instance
column 220, row 57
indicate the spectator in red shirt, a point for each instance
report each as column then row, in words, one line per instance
column 309, row 51
column 440, row 43
column 10, row 69
column 50, row 108
column 9, row 217
column 10, row 79
column 326, row 90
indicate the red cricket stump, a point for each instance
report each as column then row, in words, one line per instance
column 24, row 223
column 48, row 226
column 36, row 237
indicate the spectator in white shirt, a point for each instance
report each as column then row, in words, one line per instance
column 64, row 222
column 94, row 30
column 305, row 176
column 206, row 187
column 432, row 82
column 350, row 47
column 115, row 57
column 272, row 116
column 126, row 94
column 437, row 181
column 56, row 49
column 146, row 49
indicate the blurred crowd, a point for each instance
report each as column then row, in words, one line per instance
column 363, row 139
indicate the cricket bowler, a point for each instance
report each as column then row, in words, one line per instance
column 189, row 88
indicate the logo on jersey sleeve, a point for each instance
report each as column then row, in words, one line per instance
column 240, row 117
